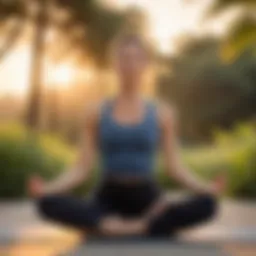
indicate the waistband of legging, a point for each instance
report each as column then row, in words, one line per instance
column 128, row 180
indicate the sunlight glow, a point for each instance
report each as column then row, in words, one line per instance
column 14, row 71
column 61, row 75
column 170, row 19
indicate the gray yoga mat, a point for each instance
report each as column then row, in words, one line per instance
column 144, row 248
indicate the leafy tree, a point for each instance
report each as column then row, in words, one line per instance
column 243, row 32
column 84, row 28
column 208, row 92
column 11, row 17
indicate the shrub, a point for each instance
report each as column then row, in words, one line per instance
column 22, row 155
column 232, row 152
column 240, row 145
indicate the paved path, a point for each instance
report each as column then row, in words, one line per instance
column 22, row 230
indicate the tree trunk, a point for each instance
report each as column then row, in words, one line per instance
column 35, row 94
column 53, row 112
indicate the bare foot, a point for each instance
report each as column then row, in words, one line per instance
column 115, row 225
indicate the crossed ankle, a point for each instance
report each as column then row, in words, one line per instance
column 118, row 226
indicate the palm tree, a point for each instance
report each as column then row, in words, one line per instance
column 243, row 32
column 87, row 28
column 34, row 100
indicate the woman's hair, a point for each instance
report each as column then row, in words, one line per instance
column 125, row 40
column 131, row 39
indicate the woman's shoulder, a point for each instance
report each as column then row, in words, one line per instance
column 93, row 111
column 166, row 112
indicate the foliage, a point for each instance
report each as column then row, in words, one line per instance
column 85, row 28
column 220, row 5
column 10, row 12
column 20, row 156
column 208, row 92
column 232, row 154
column 238, row 149
column 243, row 31
column 9, row 9
column 23, row 154
column 91, row 27
column 97, row 25
column 242, row 36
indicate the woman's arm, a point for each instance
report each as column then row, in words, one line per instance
column 175, row 167
column 79, row 171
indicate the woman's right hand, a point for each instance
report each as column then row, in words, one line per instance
column 35, row 186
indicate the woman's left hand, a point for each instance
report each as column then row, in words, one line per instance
column 219, row 185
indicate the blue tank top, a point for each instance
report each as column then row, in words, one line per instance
column 128, row 150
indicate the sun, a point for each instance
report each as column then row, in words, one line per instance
column 61, row 75
column 15, row 73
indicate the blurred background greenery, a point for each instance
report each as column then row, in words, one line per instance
column 54, row 61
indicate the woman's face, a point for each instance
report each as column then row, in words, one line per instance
column 131, row 62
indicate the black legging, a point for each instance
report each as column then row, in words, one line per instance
column 127, row 201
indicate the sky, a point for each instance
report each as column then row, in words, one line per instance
column 168, row 20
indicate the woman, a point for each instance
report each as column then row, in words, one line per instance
column 127, row 132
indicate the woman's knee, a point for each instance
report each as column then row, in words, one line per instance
column 208, row 205
column 46, row 205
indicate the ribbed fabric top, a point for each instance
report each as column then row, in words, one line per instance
column 128, row 150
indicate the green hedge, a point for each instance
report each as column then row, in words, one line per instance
column 233, row 153
column 22, row 155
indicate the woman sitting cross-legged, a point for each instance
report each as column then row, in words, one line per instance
column 128, row 132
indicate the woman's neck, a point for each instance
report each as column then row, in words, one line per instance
column 129, row 95
column 129, row 91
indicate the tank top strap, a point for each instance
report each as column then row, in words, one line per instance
column 106, row 109
column 151, row 111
